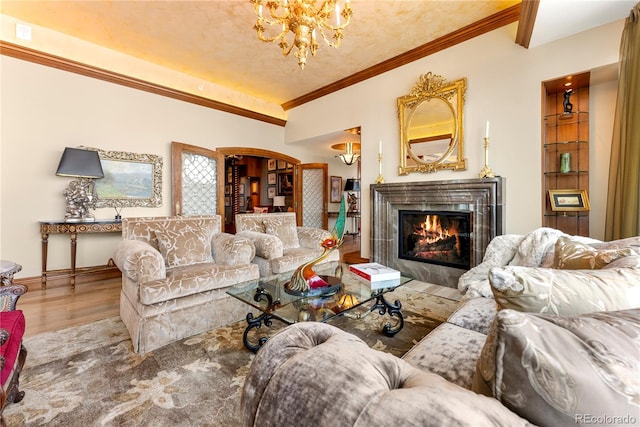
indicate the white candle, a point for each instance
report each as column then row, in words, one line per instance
column 380, row 148
column 337, row 15
column 486, row 131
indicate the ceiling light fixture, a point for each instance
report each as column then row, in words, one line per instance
column 349, row 157
column 303, row 18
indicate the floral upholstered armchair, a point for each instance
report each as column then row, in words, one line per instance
column 281, row 245
column 12, row 351
column 175, row 274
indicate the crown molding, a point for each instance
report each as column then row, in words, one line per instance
column 527, row 19
column 490, row 23
column 49, row 60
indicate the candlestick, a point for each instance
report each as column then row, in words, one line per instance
column 486, row 171
column 380, row 179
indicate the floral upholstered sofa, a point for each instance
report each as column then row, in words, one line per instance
column 547, row 333
column 175, row 273
column 281, row 245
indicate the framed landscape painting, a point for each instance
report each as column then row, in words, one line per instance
column 130, row 179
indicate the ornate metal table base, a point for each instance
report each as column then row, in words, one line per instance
column 381, row 304
column 394, row 311
column 255, row 323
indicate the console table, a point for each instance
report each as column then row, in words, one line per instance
column 72, row 229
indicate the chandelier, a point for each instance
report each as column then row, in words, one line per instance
column 305, row 19
column 349, row 157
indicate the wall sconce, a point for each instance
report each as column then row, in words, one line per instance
column 278, row 203
column 80, row 194
column 350, row 156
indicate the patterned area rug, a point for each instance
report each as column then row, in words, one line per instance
column 89, row 376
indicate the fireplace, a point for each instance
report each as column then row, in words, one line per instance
column 435, row 237
column 474, row 205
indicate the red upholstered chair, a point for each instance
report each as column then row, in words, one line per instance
column 12, row 352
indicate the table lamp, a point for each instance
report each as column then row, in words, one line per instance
column 278, row 203
column 80, row 194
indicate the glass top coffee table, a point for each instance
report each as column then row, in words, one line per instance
column 269, row 297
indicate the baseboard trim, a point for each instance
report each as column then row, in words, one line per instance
column 60, row 278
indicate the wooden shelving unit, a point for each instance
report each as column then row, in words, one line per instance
column 565, row 133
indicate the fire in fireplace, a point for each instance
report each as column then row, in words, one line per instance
column 436, row 237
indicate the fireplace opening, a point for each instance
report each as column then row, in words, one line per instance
column 436, row 237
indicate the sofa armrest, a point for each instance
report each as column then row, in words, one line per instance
column 232, row 250
column 312, row 373
column 139, row 261
column 267, row 246
column 312, row 238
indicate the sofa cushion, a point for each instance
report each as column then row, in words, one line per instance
column 572, row 255
column 284, row 228
column 552, row 291
column 558, row 370
column 14, row 323
column 182, row 243
column 474, row 313
column 449, row 351
column 229, row 249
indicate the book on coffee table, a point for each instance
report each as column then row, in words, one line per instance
column 374, row 272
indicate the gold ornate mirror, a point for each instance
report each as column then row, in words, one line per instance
column 431, row 126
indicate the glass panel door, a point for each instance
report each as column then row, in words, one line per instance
column 197, row 181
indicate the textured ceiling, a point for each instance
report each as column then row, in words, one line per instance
column 214, row 40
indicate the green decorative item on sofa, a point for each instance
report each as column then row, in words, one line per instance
column 304, row 280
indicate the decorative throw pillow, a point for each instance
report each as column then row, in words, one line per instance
column 185, row 244
column 570, row 292
column 559, row 370
column 284, row 228
column 572, row 255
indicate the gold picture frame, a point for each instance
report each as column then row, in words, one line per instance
column 569, row 200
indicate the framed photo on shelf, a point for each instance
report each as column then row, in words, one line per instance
column 271, row 164
column 569, row 200
column 282, row 164
column 285, row 184
column 336, row 189
column 271, row 192
column 271, row 179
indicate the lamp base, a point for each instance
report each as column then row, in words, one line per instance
column 80, row 199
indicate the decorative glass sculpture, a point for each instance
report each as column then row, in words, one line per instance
column 305, row 281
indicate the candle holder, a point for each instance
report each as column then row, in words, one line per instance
column 486, row 171
column 380, row 178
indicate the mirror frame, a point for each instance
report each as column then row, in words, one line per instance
column 429, row 87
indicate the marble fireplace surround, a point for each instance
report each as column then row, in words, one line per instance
column 483, row 197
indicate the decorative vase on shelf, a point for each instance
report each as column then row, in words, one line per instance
column 565, row 162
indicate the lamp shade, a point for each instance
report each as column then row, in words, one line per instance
column 352, row 185
column 278, row 201
column 80, row 163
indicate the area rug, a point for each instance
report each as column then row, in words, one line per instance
column 89, row 376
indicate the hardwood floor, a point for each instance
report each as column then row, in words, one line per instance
column 61, row 307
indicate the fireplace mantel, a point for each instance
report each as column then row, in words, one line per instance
column 483, row 197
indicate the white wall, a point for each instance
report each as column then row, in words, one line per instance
column 503, row 86
column 45, row 110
